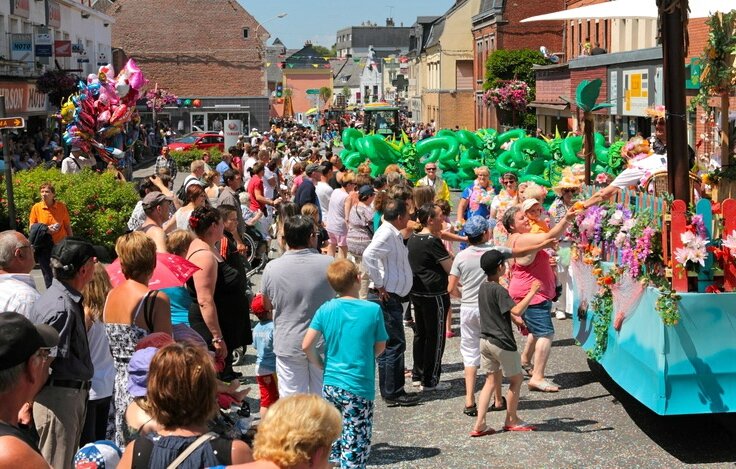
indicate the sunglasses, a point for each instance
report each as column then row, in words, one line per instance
column 509, row 181
column 568, row 190
column 430, row 169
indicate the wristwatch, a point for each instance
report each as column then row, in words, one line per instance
column 216, row 340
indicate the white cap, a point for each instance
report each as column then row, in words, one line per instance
column 528, row 204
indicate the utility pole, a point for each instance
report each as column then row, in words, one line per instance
column 8, row 171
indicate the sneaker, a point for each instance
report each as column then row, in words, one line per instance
column 560, row 314
column 402, row 400
column 416, row 384
column 441, row 386
column 408, row 323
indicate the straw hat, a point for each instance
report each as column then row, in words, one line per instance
column 656, row 112
column 569, row 181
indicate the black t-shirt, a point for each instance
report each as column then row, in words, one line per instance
column 9, row 430
column 495, row 303
column 425, row 254
column 306, row 194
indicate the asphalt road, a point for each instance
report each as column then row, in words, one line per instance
column 591, row 422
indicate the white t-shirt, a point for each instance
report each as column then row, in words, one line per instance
column 633, row 175
column 268, row 189
column 466, row 267
column 324, row 192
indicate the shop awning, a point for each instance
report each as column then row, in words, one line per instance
column 552, row 106
column 622, row 9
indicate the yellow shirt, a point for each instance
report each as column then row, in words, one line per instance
column 539, row 226
column 40, row 213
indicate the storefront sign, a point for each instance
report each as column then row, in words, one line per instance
column 21, row 47
column 53, row 14
column 232, row 128
column 44, row 46
column 636, row 92
column 62, row 48
column 20, row 8
column 22, row 98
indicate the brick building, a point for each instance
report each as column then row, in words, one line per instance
column 497, row 26
column 209, row 50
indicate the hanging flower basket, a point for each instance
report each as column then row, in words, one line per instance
column 158, row 98
column 512, row 95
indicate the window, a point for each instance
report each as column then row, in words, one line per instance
column 246, row 33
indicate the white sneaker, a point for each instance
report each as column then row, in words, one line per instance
column 441, row 386
column 416, row 384
column 560, row 314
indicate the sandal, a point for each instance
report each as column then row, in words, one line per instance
column 471, row 411
column 486, row 431
column 528, row 368
column 493, row 407
column 544, row 386
column 519, row 427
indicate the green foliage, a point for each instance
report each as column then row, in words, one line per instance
column 668, row 306
column 184, row 158
column 587, row 94
column 512, row 65
column 717, row 60
column 323, row 51
column 99, row 205
column 325, row 94
column 602, row 304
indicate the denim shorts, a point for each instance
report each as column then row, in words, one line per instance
column 538, row 319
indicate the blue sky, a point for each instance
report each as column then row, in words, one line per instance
column 319, row 20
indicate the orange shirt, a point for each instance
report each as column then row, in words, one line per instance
column 40, row 213
column 539, row 226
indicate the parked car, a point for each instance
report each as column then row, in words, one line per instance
column 198, row 140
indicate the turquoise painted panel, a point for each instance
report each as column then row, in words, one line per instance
column 689, row 368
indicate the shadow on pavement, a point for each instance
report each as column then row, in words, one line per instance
column 384, row 453
column 525, row 404
column 568, row 424
column 693, row 439
column 563, row 342
column 574, row 379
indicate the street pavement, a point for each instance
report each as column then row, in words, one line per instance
column 591, row 422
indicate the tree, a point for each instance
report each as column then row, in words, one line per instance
column 325, row 94
column 323, row 51
column 506, row 65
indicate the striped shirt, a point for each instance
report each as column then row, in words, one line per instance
column 386, row 259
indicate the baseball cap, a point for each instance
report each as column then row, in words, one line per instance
column 312, row 167
column 491, row 260
column 138, row 366
column 366, row 191
column 153, row 199
column 528, row 203
column 102, row 454
column 256, row 306
column 72, row 253
column 476, row 226
column 20, row 338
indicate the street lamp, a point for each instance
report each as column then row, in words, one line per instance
column 261, row 48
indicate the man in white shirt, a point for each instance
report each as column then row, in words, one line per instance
column 76, row 161
column 17, row 288
column 386, row 260
column 323, row 188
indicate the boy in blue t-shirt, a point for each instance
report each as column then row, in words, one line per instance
column 265, row 357
column 354, row 334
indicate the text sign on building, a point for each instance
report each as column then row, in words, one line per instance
column 21, row 47
column 20, row 8
column 62, row 48
column 232, row 129
column 22, row 97
column 12, row 123
column 313, row 91
column 44, row 46
column 53, row 14
column 636, row 92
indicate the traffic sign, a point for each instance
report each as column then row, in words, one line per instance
column 12, row 123
column 313, row 91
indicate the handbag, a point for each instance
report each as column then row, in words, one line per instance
column 191, row 448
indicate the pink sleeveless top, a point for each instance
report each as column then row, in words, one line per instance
column 522, row 277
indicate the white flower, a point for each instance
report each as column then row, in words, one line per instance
column 698, row 256
column 628, row 224
column 617, row 218
column 730, row 242
column 687, row 237
column 620, row 239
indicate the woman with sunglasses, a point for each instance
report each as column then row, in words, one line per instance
column 508, row 197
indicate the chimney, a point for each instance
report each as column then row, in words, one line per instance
column 390, row 22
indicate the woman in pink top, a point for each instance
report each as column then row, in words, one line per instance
column 524, row 271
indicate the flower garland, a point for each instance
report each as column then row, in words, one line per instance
column 602, row 303
column 667, row 306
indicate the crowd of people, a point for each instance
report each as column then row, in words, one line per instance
column 361, row 257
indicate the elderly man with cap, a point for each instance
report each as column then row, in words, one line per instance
column 441, row 191
column 156, row 207
column 466, row 276
column 76, row 161
column 24, row 369
column 307, row 191
column 17, row 288
column 61, row 405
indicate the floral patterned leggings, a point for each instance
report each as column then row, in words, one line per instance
column 352, row 448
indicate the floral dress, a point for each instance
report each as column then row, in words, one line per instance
column 479, row 200
column 501, row 203
column 123, row 339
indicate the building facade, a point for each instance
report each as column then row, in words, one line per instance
column 416, row 66
column 362, row 41
column 36, row 36
column 219, row 60
column 305, row 72
column 497, row 25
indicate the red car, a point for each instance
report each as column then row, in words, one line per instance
column 198, row 140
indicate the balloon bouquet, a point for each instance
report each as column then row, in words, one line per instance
column 101, row 109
